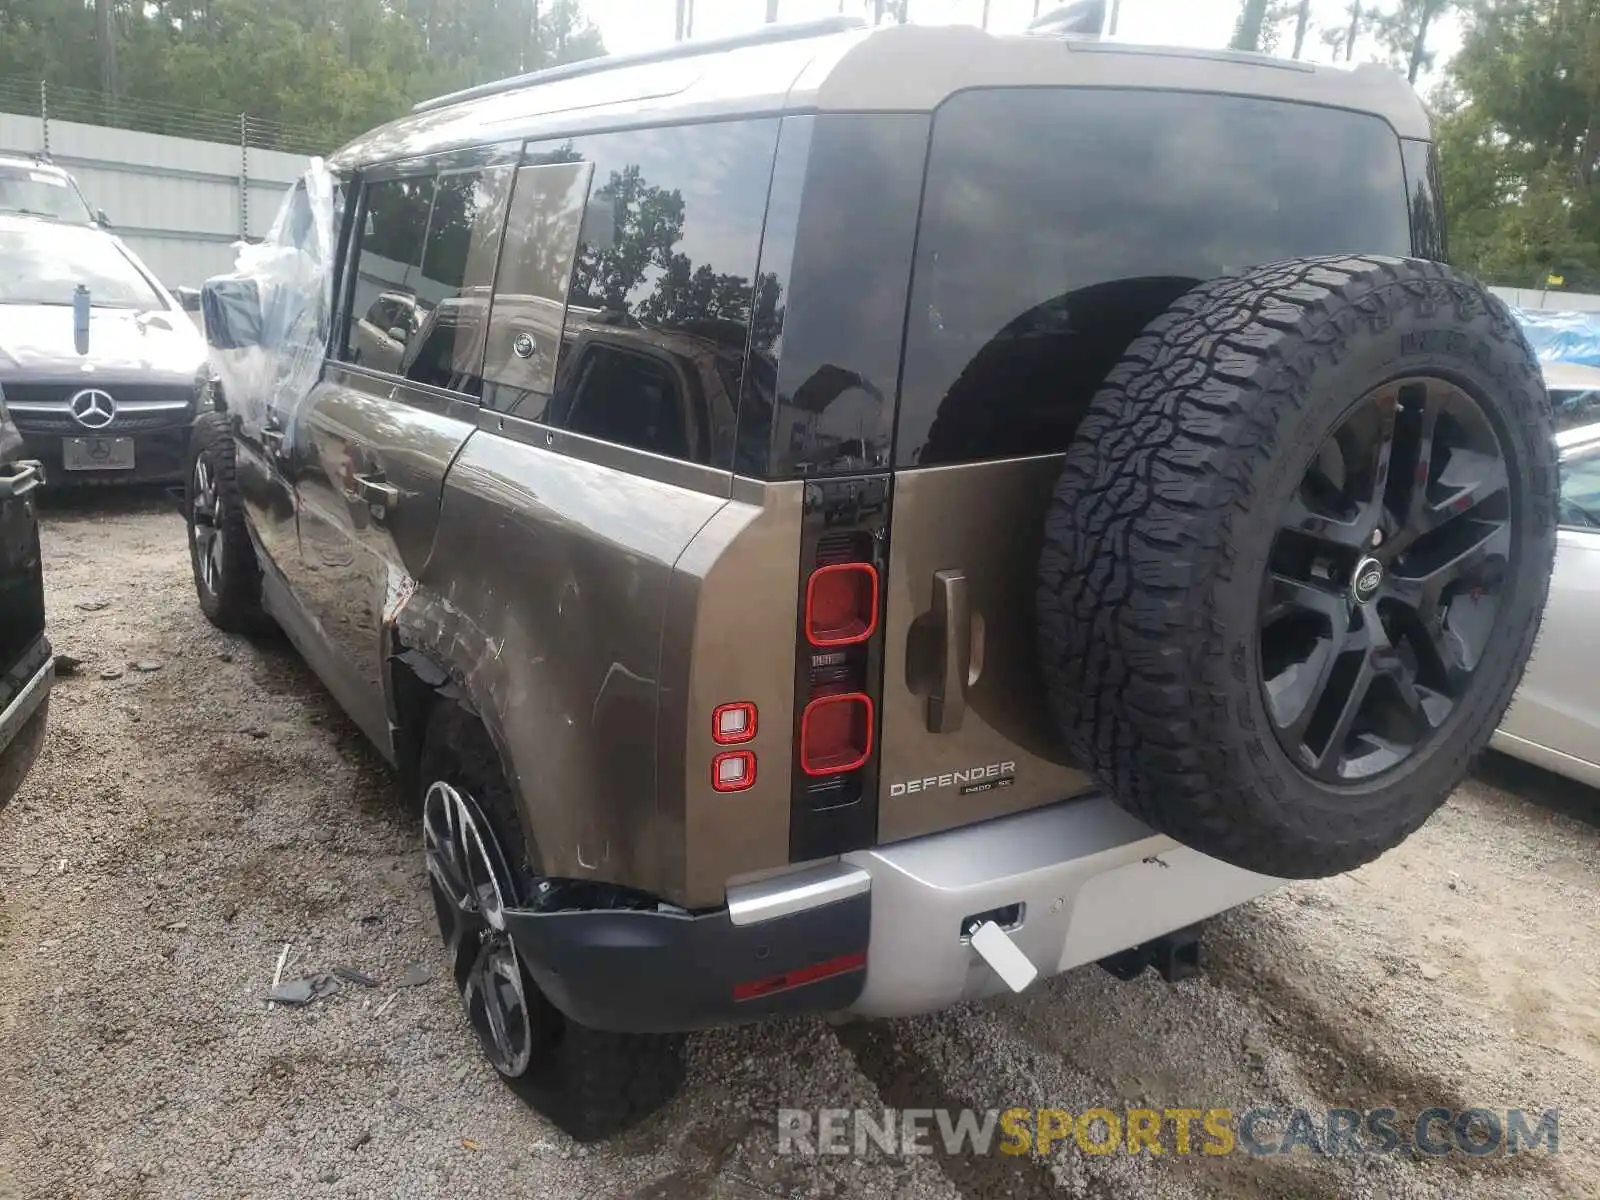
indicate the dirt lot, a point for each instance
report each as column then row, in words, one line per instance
column 201, row 804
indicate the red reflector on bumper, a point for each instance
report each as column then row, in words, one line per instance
column 799, row 976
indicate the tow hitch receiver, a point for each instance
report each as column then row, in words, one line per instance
column 1175, row 956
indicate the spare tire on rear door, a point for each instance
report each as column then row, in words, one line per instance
column 1297, row 558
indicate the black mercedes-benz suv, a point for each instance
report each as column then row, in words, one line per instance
column 26, row 664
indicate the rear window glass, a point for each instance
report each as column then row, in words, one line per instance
column 41, row 194
column 44, row 266
column 1057, row 223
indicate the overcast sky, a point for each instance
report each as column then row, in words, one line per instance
column 630, row 25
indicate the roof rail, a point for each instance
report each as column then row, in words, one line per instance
column 790, row 32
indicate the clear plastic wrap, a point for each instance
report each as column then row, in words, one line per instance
column 1571, row 337
column 267, row 321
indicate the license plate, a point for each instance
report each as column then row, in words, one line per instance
column 97, row 454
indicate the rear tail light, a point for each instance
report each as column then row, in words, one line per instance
column 836, row 733
column 841, row 604
column 733, row 771
column 733, row 724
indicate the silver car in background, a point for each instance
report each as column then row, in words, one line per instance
column 1554, row 721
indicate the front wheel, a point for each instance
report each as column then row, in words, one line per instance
column 227, row 577
column 590, row 1083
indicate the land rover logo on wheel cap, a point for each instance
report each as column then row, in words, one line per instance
column 1365, row 582
column 92, row 408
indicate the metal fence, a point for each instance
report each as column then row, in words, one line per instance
column 53, row 102
column 180, row 202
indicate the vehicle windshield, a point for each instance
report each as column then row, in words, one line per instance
column 40, row 267
column 46, row 194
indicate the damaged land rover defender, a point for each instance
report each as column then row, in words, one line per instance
column 853, row 519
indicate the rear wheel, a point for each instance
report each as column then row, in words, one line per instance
column 1297, row 558
column 590, row 1083
column 227, row 577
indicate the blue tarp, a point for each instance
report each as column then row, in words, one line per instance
column 1572, row 337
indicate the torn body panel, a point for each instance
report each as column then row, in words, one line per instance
column 544, row 600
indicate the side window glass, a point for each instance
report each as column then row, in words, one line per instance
column 530, row 295
column 445, row 340
column 660, row 304
column 393, row 227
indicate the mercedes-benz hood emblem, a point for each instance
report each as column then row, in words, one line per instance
column 92, row 408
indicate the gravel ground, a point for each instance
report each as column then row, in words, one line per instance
column 201, row 804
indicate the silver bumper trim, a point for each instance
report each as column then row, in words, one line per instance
column 1090, row 879
column 785, row 895
column 26, row 702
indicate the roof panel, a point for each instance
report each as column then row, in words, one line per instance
column 898, row 68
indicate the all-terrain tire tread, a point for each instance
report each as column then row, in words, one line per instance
column 1141, row 672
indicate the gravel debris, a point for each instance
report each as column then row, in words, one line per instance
column 137, row 1057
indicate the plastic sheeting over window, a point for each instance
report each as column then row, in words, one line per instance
column 1572, row 337
column 267, row 322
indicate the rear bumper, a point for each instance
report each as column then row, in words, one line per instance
column 1089, row 879
column 1086, row 879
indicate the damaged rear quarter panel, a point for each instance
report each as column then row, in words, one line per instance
column 544, row 600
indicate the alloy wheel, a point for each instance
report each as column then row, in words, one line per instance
column 205, row 525
column 465, row 873
column 1385, row 579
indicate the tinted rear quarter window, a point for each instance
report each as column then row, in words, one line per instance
column 1056, row 224
column 662, row 289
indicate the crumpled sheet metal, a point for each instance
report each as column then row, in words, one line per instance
column 267, row 321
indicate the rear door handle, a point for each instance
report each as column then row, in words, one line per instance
column 20, row 478
column 952, row 610
column 377, row 491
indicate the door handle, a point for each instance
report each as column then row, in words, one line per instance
column 376, row 491
column 952, row 611
column 20, row 478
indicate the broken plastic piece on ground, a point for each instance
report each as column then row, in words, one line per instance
column 304, row 991
column 415, row 975
column 352, row 976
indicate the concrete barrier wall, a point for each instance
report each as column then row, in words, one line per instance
column 1538, row 299
column 179, row 204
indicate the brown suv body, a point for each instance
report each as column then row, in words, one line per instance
column 595, row 538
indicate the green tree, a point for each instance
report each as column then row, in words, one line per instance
column 327, row 69
column 1404, row 32
column 1247, row 31
column 1519, row 139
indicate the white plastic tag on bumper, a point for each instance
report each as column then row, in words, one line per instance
column 1002, row 954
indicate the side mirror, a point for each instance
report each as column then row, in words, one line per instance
column 233, row 315
column 188, row 298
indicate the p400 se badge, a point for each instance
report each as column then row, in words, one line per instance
column 986, row 778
